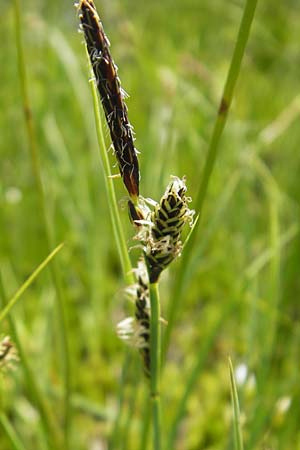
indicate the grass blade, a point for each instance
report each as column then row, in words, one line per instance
column 155, row 345
column 236, row 411
column 28, row 282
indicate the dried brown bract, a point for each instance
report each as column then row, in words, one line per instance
column 112, row 96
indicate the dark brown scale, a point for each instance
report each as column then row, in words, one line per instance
column 134, row 213
column 110, row 92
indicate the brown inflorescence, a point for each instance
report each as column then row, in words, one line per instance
column 112, row 96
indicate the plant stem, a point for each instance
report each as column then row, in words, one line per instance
column 212, row 153
column 155, row 357
column 110, row 189
column 32, row 143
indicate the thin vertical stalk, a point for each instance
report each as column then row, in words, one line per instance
column 32, row 143
column 110, row 190
column 212, row 153
column 155, row 357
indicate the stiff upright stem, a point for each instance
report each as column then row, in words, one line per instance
column 155, row 353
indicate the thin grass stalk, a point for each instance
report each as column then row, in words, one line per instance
column 110, row 189
column 15, row 442
column 32, row 143
column 238, row 438
column 155, row 357
column 50, row 427
column 212, row 153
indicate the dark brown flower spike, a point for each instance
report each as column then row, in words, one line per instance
column 112, row 96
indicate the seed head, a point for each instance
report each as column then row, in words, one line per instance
column 111, row 94
column 161, row 233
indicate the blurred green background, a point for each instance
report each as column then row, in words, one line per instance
column 173, row 58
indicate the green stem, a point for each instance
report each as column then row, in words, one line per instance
column 31, row 136
column 155, row 357
column 110, row 190
column 212, row 154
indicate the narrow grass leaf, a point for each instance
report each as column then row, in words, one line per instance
column 236, row 410
column 28, row 282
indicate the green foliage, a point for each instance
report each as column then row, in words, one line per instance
column 241, row 292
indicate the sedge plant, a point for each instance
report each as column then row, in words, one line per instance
column 158, row 225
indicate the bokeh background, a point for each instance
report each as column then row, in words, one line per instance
column 173, row 58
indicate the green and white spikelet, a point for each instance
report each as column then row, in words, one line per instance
column 163, row 226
